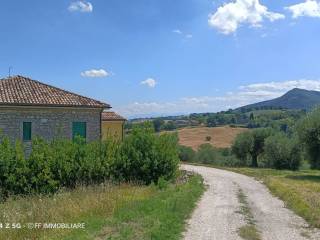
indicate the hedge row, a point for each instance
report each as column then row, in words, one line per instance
column 143, row 156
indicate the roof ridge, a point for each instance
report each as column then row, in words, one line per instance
column 60, row 89
column 111, row 115
column 48, row 86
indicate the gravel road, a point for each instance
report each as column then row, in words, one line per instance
column 218, row 216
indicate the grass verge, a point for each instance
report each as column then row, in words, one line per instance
column 299, row 190
column 108, row 212
column 160, row 217
column 249, row 231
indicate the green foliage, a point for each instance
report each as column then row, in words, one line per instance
column 162, row 183
column 170, row 126
column 242, row 146
column 282, row 152
column 251, row 144
column 41, row 179
column 258, row 117
column 257, row 148
column 14, row 171
column 143, row 156
column 186, row 154
column 309, row 135
column 207, row 154
column 146, row 156
column 158, row 123
column 211, row 121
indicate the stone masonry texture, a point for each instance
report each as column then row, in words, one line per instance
column 48, row 122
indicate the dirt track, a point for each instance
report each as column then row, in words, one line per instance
column 217, row 216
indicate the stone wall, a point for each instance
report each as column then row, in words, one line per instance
column 49, row 122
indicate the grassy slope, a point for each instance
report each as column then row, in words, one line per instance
column 299, row 190
column 109, row 212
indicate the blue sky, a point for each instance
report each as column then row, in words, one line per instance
column 162, row 57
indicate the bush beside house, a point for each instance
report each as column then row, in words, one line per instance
column 143, row 156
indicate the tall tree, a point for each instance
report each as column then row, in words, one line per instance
column 157, row 124
column 309, row 135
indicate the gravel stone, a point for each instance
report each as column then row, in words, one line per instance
column 217, row 215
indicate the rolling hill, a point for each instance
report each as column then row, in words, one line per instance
column 294, row 99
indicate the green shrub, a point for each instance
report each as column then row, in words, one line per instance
column 282, row 152
column 143, row 156
column 14, row 169
column 186, row 154
column 207, row 154
column 146, row 157
column 41, row 177
column 63, row 165
column 162, row 183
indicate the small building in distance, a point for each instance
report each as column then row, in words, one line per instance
column 112, row 125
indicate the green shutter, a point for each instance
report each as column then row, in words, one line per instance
column 79, row 129
column 26, row 131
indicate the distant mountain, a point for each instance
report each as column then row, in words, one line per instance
column 294, row 99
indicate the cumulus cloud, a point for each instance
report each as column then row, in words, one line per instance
column 309, row 8
column 230, row 16
column 150, row 82
column 244, row 95
column 80, row 6
column 95, row 73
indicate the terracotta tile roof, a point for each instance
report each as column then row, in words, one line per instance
column 23, row 91
column 111, row 116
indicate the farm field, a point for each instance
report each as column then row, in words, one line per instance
column 221, row 137
column 123, row 211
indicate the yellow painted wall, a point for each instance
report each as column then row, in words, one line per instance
column 112, row 129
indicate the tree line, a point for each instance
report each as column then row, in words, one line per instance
column 272, row 147
column 282, row 150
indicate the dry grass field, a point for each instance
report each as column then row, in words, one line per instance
column 221, row 137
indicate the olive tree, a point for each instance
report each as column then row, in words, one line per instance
column 309, row 135
column 282, row 152
column 251, row 144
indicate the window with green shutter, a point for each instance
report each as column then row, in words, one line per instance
column 79, row 129
column 27, row 131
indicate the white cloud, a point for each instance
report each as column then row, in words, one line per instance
column 80, row 6
column 283, row 86
column 244, row 95
column 230, row 16
column 309, row 8
column 95, row 73
column 150, row 82
column 177, row 31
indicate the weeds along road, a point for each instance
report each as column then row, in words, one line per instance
column 235, row 205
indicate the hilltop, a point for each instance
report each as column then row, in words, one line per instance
column 294, row 99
